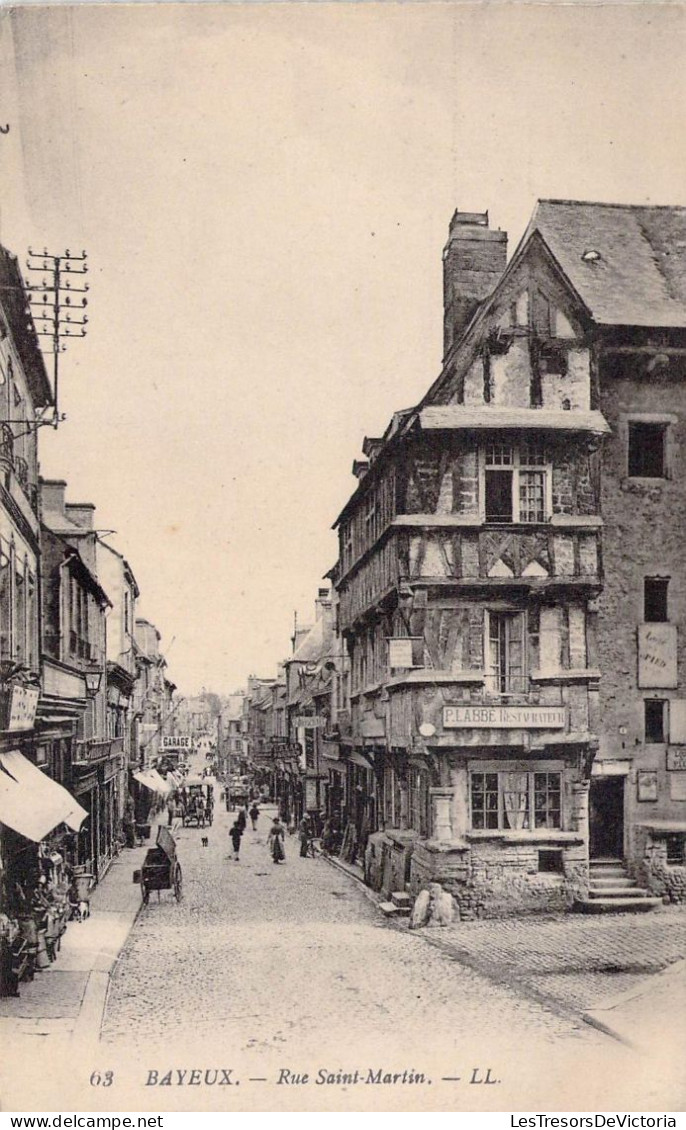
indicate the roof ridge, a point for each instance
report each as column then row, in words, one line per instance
column 609, row 204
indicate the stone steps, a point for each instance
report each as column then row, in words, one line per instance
column 388, row 908
column 630, row 890
column 402, row 901
column 400, row 905
column 616, row 905
column 613, row 891
column 613, row 881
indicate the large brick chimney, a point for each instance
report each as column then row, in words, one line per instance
column 474, row 258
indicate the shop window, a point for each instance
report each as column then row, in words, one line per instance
column 507, row 800
column 647, row 450
column 505, row 672
column 655, row 600
column 675, row 844
column 654, row 719
column 546, row 800
column 418, row 801
column 550, row 861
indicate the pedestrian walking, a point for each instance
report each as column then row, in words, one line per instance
column 241, row 819
column 305, row 834
column 275, row 841
column 254, row 813
column 236, row 832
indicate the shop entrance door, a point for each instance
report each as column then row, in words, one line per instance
column 606, row 817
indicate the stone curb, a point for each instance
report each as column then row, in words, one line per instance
column 341, row 866
column 678, row 967
column 91, row 1015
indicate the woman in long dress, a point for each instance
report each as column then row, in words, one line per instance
column 275, row 841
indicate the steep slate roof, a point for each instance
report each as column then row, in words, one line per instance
column 317, row 643
column 640, row 277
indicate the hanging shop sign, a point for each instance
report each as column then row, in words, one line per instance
column 504, row 717
column 21, row 708
column 309, row 721
column 657, row 655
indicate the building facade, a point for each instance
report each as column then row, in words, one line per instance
column 116, row 576
column 471, row 571
column 75, row 607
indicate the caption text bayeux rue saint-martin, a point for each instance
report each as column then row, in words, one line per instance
column 286, row 1076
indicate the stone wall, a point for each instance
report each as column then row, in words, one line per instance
column 644, row 535
column 667, row 881
column 492, row 879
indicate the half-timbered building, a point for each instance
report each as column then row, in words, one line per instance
column 469, row 578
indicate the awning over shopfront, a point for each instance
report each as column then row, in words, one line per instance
column 31, row 803
column 151, row 779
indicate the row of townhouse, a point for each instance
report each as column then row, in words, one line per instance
column 506, row 707
column 83, row 689
column 284, row 719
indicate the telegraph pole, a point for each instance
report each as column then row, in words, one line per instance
column 56, row 313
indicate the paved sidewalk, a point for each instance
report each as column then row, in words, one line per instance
column 69, row 996
column 618, row 972
column 578, row 960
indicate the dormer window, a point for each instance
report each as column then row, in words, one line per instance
column 516, row 481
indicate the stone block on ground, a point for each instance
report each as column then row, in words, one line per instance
column 420, row 911
column 442, row 907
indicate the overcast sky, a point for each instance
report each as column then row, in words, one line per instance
column 264, row 192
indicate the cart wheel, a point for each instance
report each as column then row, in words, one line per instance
column 178, row 881
column 145, row 893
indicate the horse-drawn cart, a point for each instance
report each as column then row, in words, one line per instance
column 197, row 803
column 161, row 870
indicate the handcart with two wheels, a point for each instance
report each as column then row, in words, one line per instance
column 161, row 870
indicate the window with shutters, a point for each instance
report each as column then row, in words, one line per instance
column 505, row 653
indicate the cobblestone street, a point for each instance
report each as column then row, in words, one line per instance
column 275, row 957
column 293, row 967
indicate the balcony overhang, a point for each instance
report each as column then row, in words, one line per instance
column 455, row 417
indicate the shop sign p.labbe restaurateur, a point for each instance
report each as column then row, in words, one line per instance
column 504, row 717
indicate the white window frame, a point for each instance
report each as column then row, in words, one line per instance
column 493, row 690
column 500, row 771
column 517, row 468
